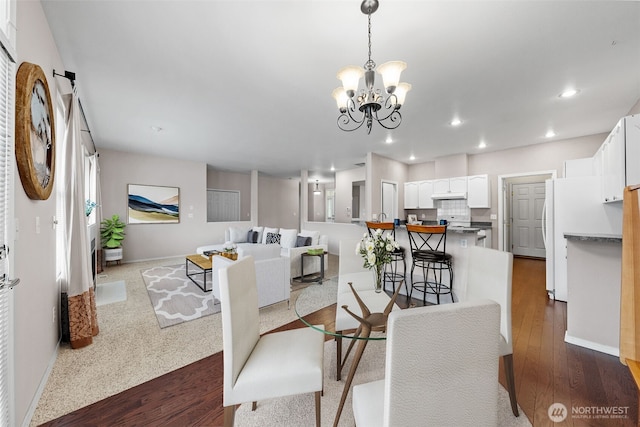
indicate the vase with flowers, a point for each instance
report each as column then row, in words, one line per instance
column 376, row 250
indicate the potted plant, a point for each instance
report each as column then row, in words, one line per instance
column 112, row 235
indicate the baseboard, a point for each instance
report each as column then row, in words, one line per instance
column 43, row 383
column 614, row 351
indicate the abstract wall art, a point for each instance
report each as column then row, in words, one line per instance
column 153, row 204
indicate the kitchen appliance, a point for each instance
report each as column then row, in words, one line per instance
column 573, row 205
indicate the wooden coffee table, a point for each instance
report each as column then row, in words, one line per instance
column 202, row 266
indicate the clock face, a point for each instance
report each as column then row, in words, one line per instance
column 35, row 135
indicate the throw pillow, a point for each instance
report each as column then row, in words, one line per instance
column 315, row 236
column 259, row 230
column 237, row 235
column 303, row 241
column 266, row 231
column 288, row 237
column 252, row 236
column 273, row 238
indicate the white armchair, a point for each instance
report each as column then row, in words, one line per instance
column 262, row 367
column 446, row 377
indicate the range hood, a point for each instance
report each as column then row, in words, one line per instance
column 449, row 196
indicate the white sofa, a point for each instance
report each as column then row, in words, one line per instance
column 272, row 272
column 288, row 248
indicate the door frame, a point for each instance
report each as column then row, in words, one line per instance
column 394, row 202
column 503, row 234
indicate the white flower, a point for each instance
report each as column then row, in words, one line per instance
column 371, row 258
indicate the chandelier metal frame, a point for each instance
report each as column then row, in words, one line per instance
column 370, row 102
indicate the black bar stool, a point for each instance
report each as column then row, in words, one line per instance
column 428, row 250
column 392, row 270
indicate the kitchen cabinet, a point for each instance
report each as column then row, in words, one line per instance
column 478, row 195
column 411, row 195
column 425, row 190
column 417, row 195
column 618, row 157
column 450, row 185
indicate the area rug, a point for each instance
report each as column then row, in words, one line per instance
column 294, row 411
column 108, row 293
column 175, row 298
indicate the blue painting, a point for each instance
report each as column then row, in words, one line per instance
column 152, row 204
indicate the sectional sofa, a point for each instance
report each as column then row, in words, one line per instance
column 292, row 245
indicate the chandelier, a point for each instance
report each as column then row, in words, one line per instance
column 370, row 103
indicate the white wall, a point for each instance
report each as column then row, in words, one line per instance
column 278, row 202
column 153, row 241
column 386, row 169
column 37, row 297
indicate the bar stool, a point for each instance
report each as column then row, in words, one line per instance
column 391, row 270
column 428, row 250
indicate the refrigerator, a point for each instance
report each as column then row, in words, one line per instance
column 573, row 205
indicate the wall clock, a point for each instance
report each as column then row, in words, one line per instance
column 35, row 134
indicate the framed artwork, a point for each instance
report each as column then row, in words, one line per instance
column 412, row 219
column 153, row 204
column 35, row 133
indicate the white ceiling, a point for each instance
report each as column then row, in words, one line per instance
column 247, row 85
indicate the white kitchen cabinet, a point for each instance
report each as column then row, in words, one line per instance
column 411, row 195
column 619, row 158
column 478, row 195
column 425, row 190
column 458, row 184
column 450, row 185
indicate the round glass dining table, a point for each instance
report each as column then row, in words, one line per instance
column 366, row 312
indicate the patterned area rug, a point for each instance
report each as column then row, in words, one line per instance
column 175, row 298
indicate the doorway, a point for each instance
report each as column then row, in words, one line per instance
column 527, row 203
column 389, row 200
column 505, row 210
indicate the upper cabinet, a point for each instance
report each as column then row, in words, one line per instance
column 411, row 195
column 425, row 190
column 617, row 159
column 417, row 195
column 478, row 195
column 443, row 186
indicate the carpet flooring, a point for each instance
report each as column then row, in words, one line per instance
column 175, row 298
column 131, row 349
column 294, row 411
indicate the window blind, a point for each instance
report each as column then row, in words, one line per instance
column 7, row 102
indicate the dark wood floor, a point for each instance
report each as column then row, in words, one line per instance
column 547, row 370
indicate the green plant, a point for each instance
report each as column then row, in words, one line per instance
column 112, row 232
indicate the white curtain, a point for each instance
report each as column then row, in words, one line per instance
column 77, row 277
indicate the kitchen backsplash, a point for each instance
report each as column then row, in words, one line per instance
column 453, row 208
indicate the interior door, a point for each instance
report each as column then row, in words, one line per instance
column 527, row 201
column 389, row 200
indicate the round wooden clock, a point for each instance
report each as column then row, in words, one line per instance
column 35, row 133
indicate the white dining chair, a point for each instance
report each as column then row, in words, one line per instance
column 441, row 369
column 262, row 367
column 489, row 275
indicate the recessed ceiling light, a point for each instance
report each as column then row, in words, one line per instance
column 156, row 128
column 569, row 93
column 455, row 122
column 550, row 134
column 482, row 144
column 412, row 157
column 389, row 140
column 333, row 168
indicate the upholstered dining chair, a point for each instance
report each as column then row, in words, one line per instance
column 489, row 275
column 447, row 377
column 262, row 367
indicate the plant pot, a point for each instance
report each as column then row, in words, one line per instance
column 114, row 254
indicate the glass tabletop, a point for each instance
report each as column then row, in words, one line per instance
column 317, row 296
